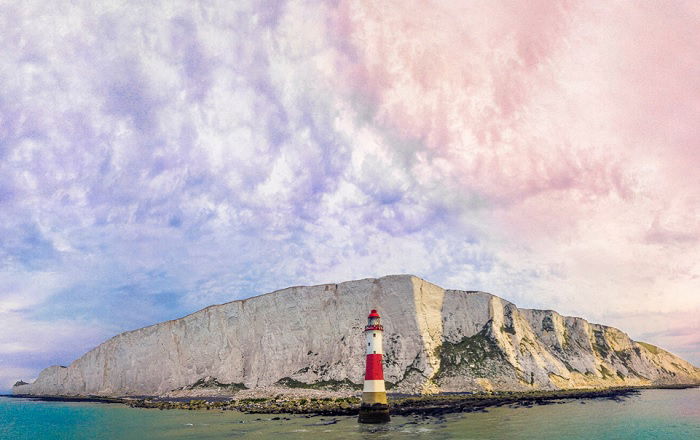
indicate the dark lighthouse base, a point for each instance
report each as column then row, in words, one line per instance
column 376, row 413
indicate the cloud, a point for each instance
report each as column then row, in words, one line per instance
column 9, row 376
column 677, row 331
column 661, row 235
column 23, row 290
column 533, row 103
column 55, row 337
column 158, row 159
column 28, row 345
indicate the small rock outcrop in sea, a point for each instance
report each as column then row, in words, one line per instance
column 436, row 340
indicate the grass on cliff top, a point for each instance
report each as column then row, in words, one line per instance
column 652, row 348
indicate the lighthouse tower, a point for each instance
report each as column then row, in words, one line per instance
column 374, row 408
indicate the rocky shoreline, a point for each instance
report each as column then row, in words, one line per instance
column 433, row 405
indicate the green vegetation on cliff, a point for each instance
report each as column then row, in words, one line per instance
column 476, row 353
column 212, row 382
column 329, row 385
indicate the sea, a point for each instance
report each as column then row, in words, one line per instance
column 652, row 414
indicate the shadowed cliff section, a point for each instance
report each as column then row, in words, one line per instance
column 311, row 337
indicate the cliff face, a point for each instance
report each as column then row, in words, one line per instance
column 435, row 340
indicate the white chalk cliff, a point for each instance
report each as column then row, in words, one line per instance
column 435, row 340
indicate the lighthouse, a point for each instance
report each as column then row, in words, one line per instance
column 374, row 408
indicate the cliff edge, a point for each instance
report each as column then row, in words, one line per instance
column 311, row 337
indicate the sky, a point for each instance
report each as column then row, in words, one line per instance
column 158, row 157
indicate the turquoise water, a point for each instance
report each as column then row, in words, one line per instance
column 654, row 414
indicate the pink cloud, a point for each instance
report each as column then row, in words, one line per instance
column 566, row 103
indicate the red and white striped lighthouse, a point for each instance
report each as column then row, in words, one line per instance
column 374, row 407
